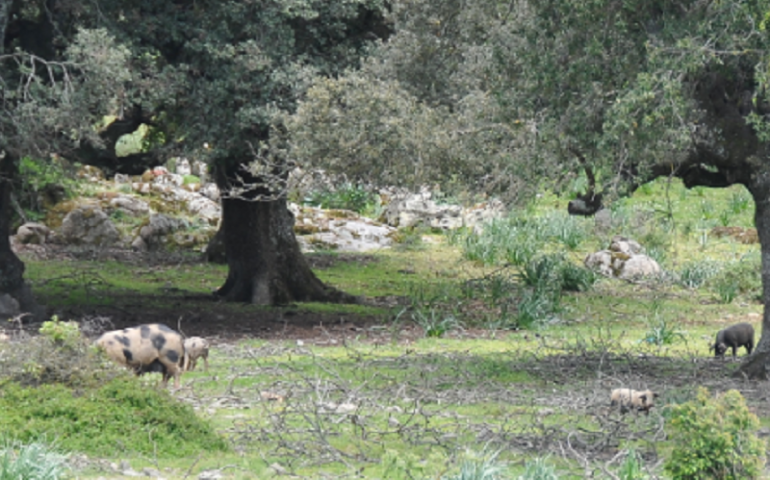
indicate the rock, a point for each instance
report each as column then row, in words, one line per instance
column 88, row 225
column 411, row 209
column 341, row 230
column 200, row 170
column 32, row 232
column 151, row 472
column 624, row 245
column 141, row 187
column 210, row 191
column 183, row 167
column 603, row 220
column 90, row 173
column 600, row 261
column 623, row 260
column 9, row 307
column 131, row 205
column 210, row 475
column 122, row 178
column 159, row 226
column 139, row 245
column 169, row 179
column 639, row 266
column 204, row 208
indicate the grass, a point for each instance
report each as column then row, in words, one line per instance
column 431, row 391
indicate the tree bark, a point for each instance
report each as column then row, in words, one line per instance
column 266, row 266
column 757, row 366
column 11, row 267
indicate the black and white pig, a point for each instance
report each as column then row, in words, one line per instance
column 146, row 348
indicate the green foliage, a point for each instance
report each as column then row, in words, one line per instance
column 189, row 179
column 58, row 355
column 434, row 323
column 741, row 277
column 478, row 467
column 517, row 238
column 714, row 438
column 539, row 469
column 39, row 181
column 347, row 196
column 695, row 274
column 661, row 333
column 31, row 461
column 119, row 417
column 65, row 334
column 632, row 467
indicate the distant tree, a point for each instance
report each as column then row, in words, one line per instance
column 540, row 92
column 208, row 78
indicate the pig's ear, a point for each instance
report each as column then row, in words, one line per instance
column 643, row 397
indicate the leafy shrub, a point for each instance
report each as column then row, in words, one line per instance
column 477, row 466
column 661, row 333
column 61, row 333
column 434, row 323
column 695, row 274
column 536, row 305
column 348, row 197
column 714, row 438
column 118, row 417
column 36, row 176
column 631, row 468
column 32, row 461
column 539, row 469
column 58, row 355
column 742, row 277
column 575, row 278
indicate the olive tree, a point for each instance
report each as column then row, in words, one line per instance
column 209, row 78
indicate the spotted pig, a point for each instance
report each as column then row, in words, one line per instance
column 146, row 348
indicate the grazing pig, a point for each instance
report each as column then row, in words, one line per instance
column 146, row 348
column 738, row 335
column 195, row 348
column 641, row 401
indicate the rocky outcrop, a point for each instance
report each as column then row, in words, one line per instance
column 33, row 233
column 154, row 233
column 411, row 209
column 623, row 259
column 88, row 225
column 341, row 230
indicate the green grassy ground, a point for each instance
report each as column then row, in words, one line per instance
column 390, row 402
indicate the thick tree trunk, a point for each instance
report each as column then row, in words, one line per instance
column 11, row 267
column 757, row 366
column 265, row 263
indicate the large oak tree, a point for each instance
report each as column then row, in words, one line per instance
column 208, row 76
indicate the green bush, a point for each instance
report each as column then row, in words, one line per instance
column 714, row 438
column 36, row 179
column 742, row 277
column 539, row 469
column 695, row 274
column 348, row 197
column 120, row 417
column 32, row 461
